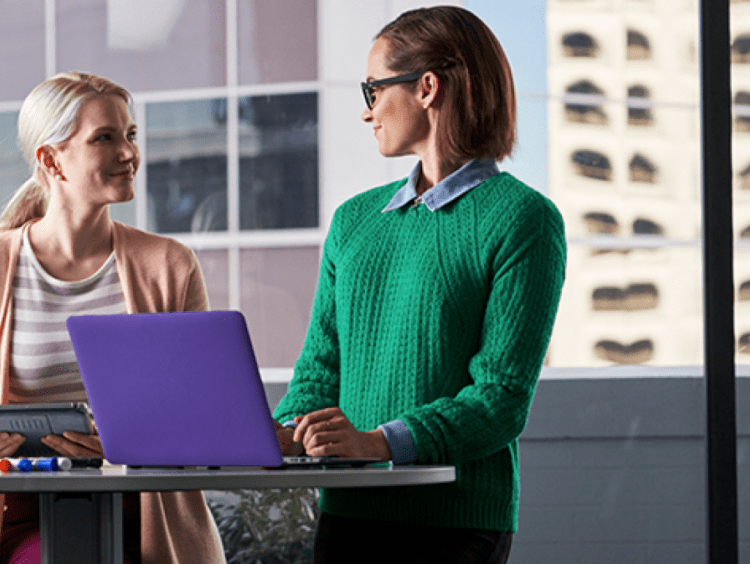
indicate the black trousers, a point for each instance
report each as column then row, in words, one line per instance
column 341, row 540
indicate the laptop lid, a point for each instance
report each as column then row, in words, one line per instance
column 175, row 389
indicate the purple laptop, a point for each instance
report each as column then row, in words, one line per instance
column 175, row 389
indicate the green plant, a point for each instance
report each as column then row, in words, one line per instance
column 271, row 526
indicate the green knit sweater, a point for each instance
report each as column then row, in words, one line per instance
column 442, row 320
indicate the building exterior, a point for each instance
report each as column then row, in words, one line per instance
column 624, row 168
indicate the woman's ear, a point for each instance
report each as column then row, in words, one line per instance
column 45, row 158
column 429, row 89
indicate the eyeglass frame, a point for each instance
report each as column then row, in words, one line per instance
column 367, row 87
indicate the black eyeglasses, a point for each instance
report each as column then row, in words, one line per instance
column 368, row 87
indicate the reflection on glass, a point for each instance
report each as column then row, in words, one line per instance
column 187, row 166
column 15, row 170
column 145, row 45
column 279, row 161
column 278, row 286
column 278, row 41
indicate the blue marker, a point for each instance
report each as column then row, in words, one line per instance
column 22, row 464
column 48, row 464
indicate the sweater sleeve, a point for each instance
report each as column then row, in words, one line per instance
column 526, row 277
column 196, row 295
column 315, row 384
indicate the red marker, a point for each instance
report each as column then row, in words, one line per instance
column 5, row 465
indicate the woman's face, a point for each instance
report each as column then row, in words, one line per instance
column 397, row 117
column 98, row 162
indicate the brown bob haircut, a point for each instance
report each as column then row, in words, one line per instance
column 478, row 100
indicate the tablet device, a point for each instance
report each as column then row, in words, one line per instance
column 36, row 420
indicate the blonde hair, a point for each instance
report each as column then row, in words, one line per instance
column 48, row 117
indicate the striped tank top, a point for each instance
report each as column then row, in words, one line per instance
column 43, row 364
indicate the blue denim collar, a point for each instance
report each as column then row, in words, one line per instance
column 451, row 187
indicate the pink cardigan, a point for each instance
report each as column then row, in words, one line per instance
column 156, row 274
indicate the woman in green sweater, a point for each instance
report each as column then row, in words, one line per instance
column 434, row 307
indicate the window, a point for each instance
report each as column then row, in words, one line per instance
column 598, row 343
column 637, row 352
column 579, row 44
column 742, row 112
column 635, row 297
column 639, row 110
column 265, row 29
column 279, row 161
column 643, row 226
column 15, row 169
column 583, row 103
column 599, row 222
column 642, row 170
column 744, row 292
column 741, row 50
column 592, row 164
column 22, row 47
column 744, row 344
column 745, row 178
column 187, row 166
column 639, row 47
column 182, row 44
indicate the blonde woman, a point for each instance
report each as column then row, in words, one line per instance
column 60, row 255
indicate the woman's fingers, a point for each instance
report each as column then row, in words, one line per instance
column 329, row 432
column 10, row 442
column 71, row 443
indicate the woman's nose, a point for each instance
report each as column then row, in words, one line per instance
column 128, row 150
column 366, row 115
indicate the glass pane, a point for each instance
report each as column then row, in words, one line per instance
column 215, row 267
column 187, row 166
column 740, row 65
column 145, row 45
column 612, row 465
column 22, row 47
column 15, row 170
column 626, row 177
column 279, row 161
column 278, row 41
column 278, row 286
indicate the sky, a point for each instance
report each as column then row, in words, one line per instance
column 521, row 29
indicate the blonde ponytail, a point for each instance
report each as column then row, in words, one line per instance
column 29, row 202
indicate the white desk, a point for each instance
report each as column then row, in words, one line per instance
column 86, row 504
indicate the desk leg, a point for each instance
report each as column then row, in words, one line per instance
column 81, row 528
